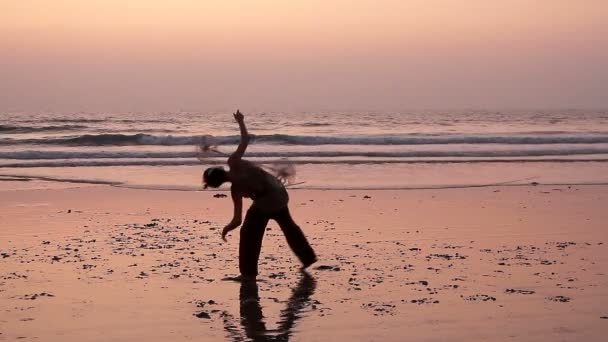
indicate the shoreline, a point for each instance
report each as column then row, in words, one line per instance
column 291, row 187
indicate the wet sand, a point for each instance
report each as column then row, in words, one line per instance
column 99, row 263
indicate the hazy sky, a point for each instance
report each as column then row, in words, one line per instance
column 158, row 55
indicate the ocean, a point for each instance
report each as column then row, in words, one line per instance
column 328, row 150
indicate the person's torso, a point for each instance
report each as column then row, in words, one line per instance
column 266, row 191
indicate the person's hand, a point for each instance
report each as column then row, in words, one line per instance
column 238, row 116
column 225, row 231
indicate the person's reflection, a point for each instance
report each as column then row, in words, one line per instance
column 252, row 318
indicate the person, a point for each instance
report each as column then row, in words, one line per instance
column 270, row 201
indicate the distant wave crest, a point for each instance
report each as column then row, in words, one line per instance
column 10, row 129
column 53, row 155
column 190, row 162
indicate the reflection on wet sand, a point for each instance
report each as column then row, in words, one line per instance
column 252, row 318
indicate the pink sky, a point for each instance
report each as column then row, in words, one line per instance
column 153, row 55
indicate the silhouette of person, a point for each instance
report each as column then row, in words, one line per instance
column 252, row 317
column 270, row 201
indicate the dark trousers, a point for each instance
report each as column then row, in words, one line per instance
column 252, row 233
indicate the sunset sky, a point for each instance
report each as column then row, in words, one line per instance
column 153, row 55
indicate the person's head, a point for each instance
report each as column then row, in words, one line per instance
column 214, row 177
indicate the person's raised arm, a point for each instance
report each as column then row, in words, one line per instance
column 240, row 151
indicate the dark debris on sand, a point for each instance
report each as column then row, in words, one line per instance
column 424, row 301
column 379, row 309
column 327, row 268
column 37, row 295
column 184, row 250
column 203, row 314
column 560, row 299
column 479, row 297
column 519, row 291
column 445, row 256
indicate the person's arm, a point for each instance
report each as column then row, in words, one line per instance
column 237, row 199
column 240, row 151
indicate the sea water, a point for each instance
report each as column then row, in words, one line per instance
column 329, row 150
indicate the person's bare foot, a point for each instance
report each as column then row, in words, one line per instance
column 241, row 278
column 306, row 264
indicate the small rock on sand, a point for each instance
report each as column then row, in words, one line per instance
column 202, row 314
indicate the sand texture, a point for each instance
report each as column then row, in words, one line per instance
column 99, row 263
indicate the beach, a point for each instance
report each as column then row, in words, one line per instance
column 105, row 263
column 447, row 162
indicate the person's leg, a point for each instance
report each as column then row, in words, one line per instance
column 295, row 237
column 250, row 244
